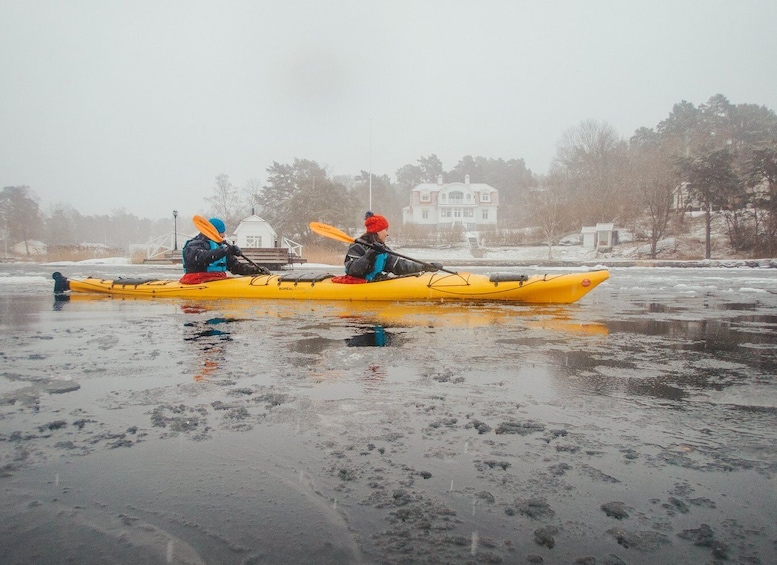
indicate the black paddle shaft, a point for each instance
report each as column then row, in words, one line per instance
column 387, row 250
column 254, row 264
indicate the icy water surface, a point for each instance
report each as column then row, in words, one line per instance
column 637, row 426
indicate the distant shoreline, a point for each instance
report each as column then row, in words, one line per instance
column 723, row 263
column 565, row 263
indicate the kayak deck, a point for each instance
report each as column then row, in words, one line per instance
column 538, row 289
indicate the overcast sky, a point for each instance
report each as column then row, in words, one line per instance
column 111, row 104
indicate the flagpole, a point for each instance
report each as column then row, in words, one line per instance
column 370, row 206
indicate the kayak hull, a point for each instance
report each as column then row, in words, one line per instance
column 440, row 286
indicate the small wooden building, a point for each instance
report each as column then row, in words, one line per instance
column 598, row 237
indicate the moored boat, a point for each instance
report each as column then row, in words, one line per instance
column 440, row 286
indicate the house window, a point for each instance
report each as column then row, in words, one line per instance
column 426, row 197
column 253, row 241
column 445, row 213
column 457, row 213
column 485, row 197
column 469, row 213
column 485, row 214
column 425, row 214
column 456, row 197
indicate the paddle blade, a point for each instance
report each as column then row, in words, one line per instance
column 331, row 232
column 207, row 229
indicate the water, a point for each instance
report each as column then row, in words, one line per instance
column 161, row 431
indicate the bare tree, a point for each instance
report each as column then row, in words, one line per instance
column 225, row 202
column 761, row 178
column 552, row 209
column 20, row 215
column 654, row 180
column 62, row 225
column 593, row 160
column 252, row 189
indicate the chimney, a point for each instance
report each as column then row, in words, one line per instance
column 439, row 180
column 466, row 180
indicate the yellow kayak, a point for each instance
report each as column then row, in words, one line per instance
column 438, row 287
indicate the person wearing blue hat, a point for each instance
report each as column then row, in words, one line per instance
column 205, row 260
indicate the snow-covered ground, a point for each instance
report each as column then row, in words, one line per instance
column 528, row 253
column 103, row 261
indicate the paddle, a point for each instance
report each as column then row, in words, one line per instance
column 333, row 233
column 209, row 230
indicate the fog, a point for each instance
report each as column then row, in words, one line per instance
column 140, row 105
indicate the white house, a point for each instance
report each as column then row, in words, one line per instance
column 254, row 232
column 469, row 204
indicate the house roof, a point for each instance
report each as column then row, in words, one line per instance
column 253, row 218
column 597, row 227
column 253, row 225
column 434, row 187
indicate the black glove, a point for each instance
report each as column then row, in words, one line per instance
column 234, row 250
column 433, row 267
column 262, row 270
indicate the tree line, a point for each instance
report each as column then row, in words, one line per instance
column 717, row 157
column 22, row 221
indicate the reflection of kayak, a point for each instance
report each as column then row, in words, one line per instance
column 537, row 289
column 399, row 314
column 385, row 314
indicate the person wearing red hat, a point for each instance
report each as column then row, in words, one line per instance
column 370, row 259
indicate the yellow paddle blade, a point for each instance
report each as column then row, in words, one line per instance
column 207, row 229
column 331, row 232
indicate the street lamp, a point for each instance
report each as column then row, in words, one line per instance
column 175, row 230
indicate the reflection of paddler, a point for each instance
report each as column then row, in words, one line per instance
column 209, row 338
column 208, row 368
column 376, row 338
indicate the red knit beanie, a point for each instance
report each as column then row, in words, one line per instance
column 375, row 222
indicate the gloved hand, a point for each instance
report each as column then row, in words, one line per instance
column 234, row 250
column 433, row 267
column 262, row 270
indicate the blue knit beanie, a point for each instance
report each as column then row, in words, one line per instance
column 219, row 225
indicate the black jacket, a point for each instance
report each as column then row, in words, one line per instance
column 360, row 261
column 197, row 255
